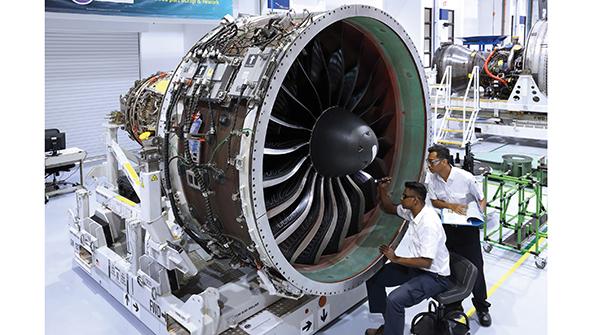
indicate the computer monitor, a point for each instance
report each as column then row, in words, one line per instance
column 54, row 141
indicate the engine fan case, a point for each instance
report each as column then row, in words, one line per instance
column 536, row 54
column 360, row 258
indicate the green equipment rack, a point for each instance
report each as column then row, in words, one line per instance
column 522, row 230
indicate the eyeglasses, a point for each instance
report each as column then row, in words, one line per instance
column 433, row 162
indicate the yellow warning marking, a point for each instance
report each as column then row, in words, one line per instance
column 132, row 173
column 144, row 136
column 161, row 85
column 510, row 271
column 153, row 178
column 126, row 201
column 210, row 72
column 450, row 142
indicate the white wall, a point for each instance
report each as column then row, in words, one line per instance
column 518, row 9
column 332, row 4
column 161, row 50
column 410, row 15
column 250, row 7
column 470, row 18
column 311, row 5
column 489, row 13
column 194, row 32
column 163, row 42
column 461, row 13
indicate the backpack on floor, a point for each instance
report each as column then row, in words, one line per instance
column 428, row 323
column 450, row 324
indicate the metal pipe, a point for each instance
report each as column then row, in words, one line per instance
column 529, row 16
column 435, row 15
column 503, row 23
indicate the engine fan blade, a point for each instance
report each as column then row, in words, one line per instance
column 377, row 168
column 348, row 85
column 311, row 85
column 289, row 243
column 278, row 120
column 357, row 98
column 365, row 182
column 321, row 234
column 371, row 106
column 281, row 175
column 343, row 219
column 289, row 224
column 283, row 111
column 281, row 150
column 314, row 228
column 286, row 196
column 336, row 74
column 384, row 145
column 316, row 61
column 294, row 98
column 357, row 201
column 351, row 78
column 381, row 122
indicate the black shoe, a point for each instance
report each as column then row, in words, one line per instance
column 484, row 319
column 375, row 331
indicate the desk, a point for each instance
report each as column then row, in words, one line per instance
column 66, row 157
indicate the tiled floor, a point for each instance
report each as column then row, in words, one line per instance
column 75, row 304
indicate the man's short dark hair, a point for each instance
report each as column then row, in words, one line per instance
column 418, row 188
column 441, row 151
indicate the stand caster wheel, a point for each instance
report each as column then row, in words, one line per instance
column 487, row 247
column 540, row 263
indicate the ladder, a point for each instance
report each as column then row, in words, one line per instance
column 441, row 94
column 464, row 123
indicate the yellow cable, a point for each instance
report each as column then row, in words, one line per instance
column 502, row 279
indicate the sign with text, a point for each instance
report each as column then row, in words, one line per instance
column 188, row 9
column 278, row 4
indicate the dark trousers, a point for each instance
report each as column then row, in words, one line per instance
column 464, row 241
column 415, row 286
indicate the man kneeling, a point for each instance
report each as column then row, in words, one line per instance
column 420, row 276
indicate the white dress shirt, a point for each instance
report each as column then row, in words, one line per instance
column 426, row 238
column 461, row 187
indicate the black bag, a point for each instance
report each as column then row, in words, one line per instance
column 430, row 323
column 426, row 323
column 450, row 324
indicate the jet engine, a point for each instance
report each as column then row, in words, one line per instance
column 274, row 130
column 500, row 68
column 139, row 107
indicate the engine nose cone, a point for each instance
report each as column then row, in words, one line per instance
column 341, row 143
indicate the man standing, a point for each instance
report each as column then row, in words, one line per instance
column 420, row 276
column 453, row 188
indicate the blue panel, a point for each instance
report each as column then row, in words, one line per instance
column 482, row 40
column 193, row 9
column 443, row 14
column 522, row 19
column 278, row 4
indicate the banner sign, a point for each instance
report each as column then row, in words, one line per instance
column 278, row 4
column 188, row 9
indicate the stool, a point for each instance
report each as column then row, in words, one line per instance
column 460, row 283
